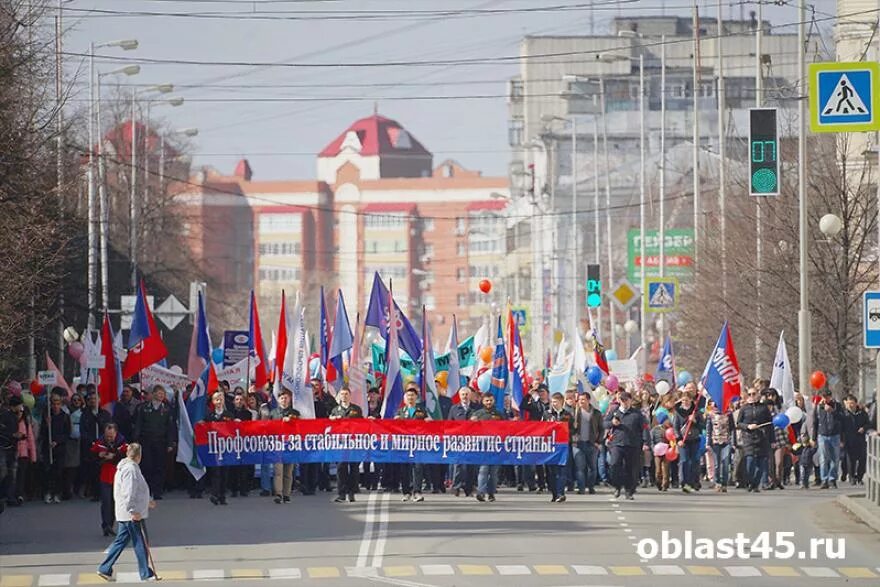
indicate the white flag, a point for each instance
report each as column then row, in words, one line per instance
column 781, row 380
column 186, row 449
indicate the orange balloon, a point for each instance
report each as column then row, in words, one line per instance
column 818, row 380
column 442, row 378
column 486, row 354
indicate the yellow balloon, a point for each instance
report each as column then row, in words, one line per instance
column 442, row 378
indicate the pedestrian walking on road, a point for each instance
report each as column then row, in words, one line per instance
column 346, row 473
column 132, row 496
column 629, row 435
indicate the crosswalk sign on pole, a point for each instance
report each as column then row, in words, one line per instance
column 661, row 294
column 844, row 97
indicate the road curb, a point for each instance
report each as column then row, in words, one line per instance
column 866, row 515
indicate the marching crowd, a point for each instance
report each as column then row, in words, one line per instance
column 65, row 446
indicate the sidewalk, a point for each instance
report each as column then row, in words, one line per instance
column 860, row 507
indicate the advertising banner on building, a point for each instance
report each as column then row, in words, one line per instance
column 381, row 441
column 679, row 252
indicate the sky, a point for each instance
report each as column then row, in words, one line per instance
column 276, row 80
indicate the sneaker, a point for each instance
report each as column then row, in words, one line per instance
column 418, row 497
column 277, row 499
column 57, row 499
column 106, row 576
column 582, row 491
column 560, row 499
column 553, row 499
column 833, row 484
column 481, row 497
column 520, row 488
column 152, row 578
column 686, row 488
column 351, row 497
column 286, row 499
column 48, row 498
column 406, row 497
column 339, row 499
column 825, row 485
column 617, row 493
column 724, row 489
column 591, row 491
column 491, row 497
column 630, row 496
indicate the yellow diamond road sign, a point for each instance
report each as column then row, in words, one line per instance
column 624, row 294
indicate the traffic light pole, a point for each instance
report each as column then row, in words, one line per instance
column 759, row 226
column 804, row 342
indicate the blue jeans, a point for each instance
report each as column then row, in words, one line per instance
column 755, row 465
column 556, row 480
column 602, row 470
column 267, row 471
column 689, row 462
column 722, row 463
column 487, row 477
column 829, row 457
column 585, row 463
column 125, row 532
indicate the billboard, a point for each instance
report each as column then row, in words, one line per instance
column 679, row 251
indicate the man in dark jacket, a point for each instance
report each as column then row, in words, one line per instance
column 855, row 425
column 464, row 477
column 317, row 475
column 487, row 475
column 240, row 476
column 346, row 473
column 827, row 429
column 629, row 436
column 587, row 436
column 91, row 428
column 556, row 473
column 688, row 423
column 156, row 432
column 754, row 425
column 123, row 412
column 533, row 408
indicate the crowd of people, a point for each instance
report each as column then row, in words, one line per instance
column 65, row 446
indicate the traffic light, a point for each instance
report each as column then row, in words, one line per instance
column 763, row 152
column 594, row 287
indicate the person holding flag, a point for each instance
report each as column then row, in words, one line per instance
column 754, row 424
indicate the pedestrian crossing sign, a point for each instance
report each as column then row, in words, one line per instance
column 844, row 97
column 662, row 294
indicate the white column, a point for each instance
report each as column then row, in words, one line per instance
column 642, row 197
column 804, row 342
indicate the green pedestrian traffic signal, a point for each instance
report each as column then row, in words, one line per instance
column 763, row 152
column 594, row 286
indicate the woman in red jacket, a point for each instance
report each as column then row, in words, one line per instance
column 110, row 449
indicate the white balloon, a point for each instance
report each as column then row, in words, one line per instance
column 176, row 369
column 795, row 414
column 662, row 387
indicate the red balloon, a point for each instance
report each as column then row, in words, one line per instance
column 671, row 454
column 485, row 286
column 648, row 377
column 818, row 380
column 36, row 388
column 670, row 434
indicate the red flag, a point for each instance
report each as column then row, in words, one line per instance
column 280, row 344
column 256, row 349
column 109, row 376
column 147, row 346
column 59, row 377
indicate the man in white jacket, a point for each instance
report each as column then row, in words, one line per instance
column 132, row 496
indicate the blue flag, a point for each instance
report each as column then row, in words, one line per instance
column 666, row 364
column 453, row 379
column 377, row 315
column 342, row 339
column 498, row 387
column 393, row 380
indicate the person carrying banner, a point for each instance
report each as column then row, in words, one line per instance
column 240, row 475
column 283, row 478
column 110, row 450
column 463, row 476
column 487, row 477
column 411, row 473
column 131, row 494
column 556, row 473
column 219, row 475
column 629, row 436
column 533, row 407
column 53, row 437
column 346, row 473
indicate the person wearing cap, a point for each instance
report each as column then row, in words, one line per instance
column 346, row 473
column 827, row 426
column 629, row 436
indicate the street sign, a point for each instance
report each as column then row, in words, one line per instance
column 624, row 294
column 678, row 252
column 871, row 319
column 171, row 312
column 594, row 286
column 520, row 316
column 235, row 346
column 763, row 152
column 844, row 97
column 662, row 294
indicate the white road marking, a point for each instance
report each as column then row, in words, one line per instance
column 666, row 570
column 364, row 551
column 743, row 571
column 820, row 572
column 589, row 570
column 401, row 582
column 382, row 533
column 208, row 574
column 128, row 577
column 513, row 570
column 361, row 571
column 54, row 580
column 285, row 574
column 437, row 570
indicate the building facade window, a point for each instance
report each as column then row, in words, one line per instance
column 515, row 132
column 280, row 223
column 385, row 220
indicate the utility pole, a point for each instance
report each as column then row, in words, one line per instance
column 759, row 239
column 642, row 198
column 696, row 152
column 722, row 154
column 804, row 342
column 59, row 163
column 662, row 187
column 596, row 231
column 612, row 334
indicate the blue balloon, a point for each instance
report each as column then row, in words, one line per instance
column 661, row 416
column 484, row 381
column 781, row 421
column 684, row 378
column 217, row 356
column 611, row 355
column 594, row 375
column 315, row 367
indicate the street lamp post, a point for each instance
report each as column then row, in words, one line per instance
column 128, row 70
column 804, row 339
column 125, row 45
